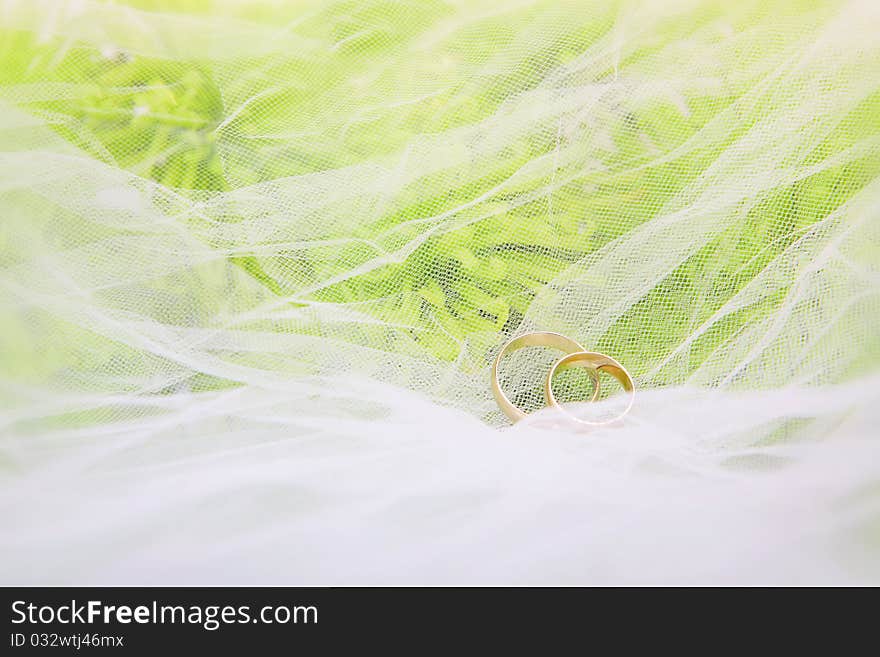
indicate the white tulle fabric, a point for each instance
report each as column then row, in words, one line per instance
column 167, row 415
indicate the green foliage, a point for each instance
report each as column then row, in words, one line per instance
column 462, row 249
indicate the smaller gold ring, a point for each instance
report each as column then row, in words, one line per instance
column 535, row 339
column 594, row 362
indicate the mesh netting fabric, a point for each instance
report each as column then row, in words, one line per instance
column 260, row 255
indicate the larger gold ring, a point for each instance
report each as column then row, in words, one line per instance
column 594, row 362
column 536, row 339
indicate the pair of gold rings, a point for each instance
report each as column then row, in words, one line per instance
column 575, row 356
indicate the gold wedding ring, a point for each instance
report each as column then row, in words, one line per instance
column 575, row 356
column 594, row 362
column 536, row 339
